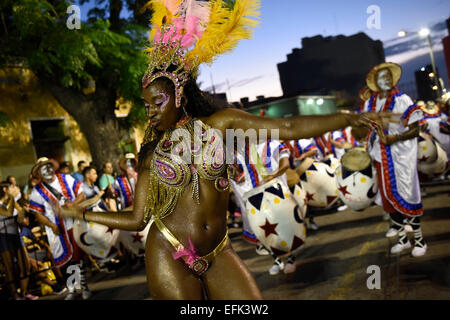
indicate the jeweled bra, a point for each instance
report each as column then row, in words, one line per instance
column 176, row 162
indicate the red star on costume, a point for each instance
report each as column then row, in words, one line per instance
column 424, row 158
column 309, row 196
column 110, row 230
column 343, row 190
column 137, row 237
column 269, row 228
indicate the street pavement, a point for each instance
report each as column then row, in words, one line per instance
column 334, row 262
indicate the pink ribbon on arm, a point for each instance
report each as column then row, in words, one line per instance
column 189, row 253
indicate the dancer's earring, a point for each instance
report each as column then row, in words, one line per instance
column 183, row 104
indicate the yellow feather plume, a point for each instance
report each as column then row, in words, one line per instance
column 163, row 12
column 225, row 29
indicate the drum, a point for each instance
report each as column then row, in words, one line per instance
column 318, row 181
column 426, row 149
column 95, row 239
column 332, row 162
column 300, row 197
column 438, row 167
column 356, row 179
column 247, row 232
column 134, row 241
column 275, row 217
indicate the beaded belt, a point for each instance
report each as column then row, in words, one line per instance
column 197, row 264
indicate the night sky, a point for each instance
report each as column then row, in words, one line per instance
column 250, row 70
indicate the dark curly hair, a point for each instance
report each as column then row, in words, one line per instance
column 199, row 104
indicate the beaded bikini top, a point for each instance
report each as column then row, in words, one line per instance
column 191, row 150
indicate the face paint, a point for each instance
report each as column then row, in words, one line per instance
column 163, row 100
column 47, row 171
column 383, row 80
column 130, row 163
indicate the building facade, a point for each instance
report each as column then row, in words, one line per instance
column 325, row 65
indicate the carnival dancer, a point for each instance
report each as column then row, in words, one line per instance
column 125, row 183
column 188, row 253
column 64, row 190
column 394, row 152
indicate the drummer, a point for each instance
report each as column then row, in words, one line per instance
column 125, row 183
column 304, row 148
column 240, row 186
column 398, row 179
column 321, row 144
column 58, row 187
column 337, row 144
column 262, row 163
column 432, row 116
column 90, row 189
column 307, row 148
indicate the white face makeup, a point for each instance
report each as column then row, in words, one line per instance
column 162, row 100
column 383, row 80
column 47, row 171
column 131, row 163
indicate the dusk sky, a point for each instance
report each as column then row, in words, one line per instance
column 251, row 69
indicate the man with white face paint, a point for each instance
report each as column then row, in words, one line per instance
column 65, row 190
column 394, row 152
column 125, row 183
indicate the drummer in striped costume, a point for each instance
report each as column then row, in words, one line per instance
column 252, row 171
column 307, row 148
column 68, row 192
column 321, row 144
column 261, row 164
column 304, row 148
column 394, row 152
column 126, row 182
column 337, row 143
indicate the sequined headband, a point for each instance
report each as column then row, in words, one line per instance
column 168, row 53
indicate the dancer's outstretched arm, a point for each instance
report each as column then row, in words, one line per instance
column 293, row 128
column 124, row 220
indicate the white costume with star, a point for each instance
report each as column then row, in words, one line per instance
column 270, row 153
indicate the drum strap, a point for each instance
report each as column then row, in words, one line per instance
column 197, row 264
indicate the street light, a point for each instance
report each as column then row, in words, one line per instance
column 402, row 33
column 424, row 32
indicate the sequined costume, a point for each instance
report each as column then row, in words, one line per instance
column 175, row 165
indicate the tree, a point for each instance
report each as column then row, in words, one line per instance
column 107, row 51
